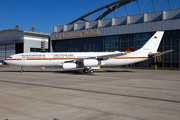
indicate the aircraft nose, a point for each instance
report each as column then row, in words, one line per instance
column 6, row 61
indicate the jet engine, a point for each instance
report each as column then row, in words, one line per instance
column 70, row 65
column 91, row 62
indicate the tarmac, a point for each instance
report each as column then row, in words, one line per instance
column 108, row 94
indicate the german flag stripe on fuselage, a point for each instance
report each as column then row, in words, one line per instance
column 66, row 59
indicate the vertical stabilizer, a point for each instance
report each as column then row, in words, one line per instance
column 153, row 43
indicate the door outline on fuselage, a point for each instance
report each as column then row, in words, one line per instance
column 135, row 56
column 23, row 60
column 19, row 58
column 50, row 57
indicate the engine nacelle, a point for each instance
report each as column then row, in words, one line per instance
column 91, row 62
column 70, row 65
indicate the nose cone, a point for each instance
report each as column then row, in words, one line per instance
column 7, row 61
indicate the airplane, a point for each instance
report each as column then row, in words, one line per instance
column 88, row 61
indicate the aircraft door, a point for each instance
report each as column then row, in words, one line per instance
column 19, row 59
column 50, row 57
column 24, row 61
column 135, row 56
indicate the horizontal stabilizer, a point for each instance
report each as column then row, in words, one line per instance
column 159, row 53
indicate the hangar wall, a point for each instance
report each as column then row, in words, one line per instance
column 16, row 41
column 119, row 34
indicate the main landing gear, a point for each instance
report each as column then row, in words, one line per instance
column 88, row 70
column 21, row 69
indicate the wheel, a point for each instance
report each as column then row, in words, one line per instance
column 21, row 69
column 85, row 70
column 91, row 71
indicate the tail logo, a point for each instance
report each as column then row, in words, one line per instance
column 129, row 50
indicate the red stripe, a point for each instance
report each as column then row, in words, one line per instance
column 74, row 58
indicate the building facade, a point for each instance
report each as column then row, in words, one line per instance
column 119, row 34
column 16, row 41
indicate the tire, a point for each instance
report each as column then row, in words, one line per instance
column 85, row 70
column 91, row 71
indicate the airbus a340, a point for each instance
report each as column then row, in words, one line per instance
column 88, row 60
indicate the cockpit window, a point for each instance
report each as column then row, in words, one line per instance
column 10, row 57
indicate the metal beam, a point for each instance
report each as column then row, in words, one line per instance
column 121, row 3
column 158, row 5
column 102, row 13
column 87, row 20
column 128, row 8
column 169, row 4
column 175, row 4
column 115, row 11
column 143, row 6
column 125, row 9
column 153, row 5
column 139, row 7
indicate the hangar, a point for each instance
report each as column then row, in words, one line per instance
column 15, row 41
column 121, row 33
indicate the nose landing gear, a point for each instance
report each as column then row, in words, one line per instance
column 21, row 69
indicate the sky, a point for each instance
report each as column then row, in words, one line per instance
column 44, row 14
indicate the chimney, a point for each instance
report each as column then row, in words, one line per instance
column 32, row 29
column 16, row 27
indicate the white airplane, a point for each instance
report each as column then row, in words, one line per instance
column 89, row 60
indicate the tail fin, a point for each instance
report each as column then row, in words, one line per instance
column 153, row 43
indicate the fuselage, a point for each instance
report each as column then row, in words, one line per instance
column 58, row 58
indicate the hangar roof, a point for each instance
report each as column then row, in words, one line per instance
column 39, row 34
column 17, row 36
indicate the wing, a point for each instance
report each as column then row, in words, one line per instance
column 106, row 57
column 101, row 57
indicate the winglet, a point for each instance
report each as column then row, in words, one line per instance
column 129, row 50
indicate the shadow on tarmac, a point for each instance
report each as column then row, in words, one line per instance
column 73, row 72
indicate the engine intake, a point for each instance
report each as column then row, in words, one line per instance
column 92, row 62
column 70, row 65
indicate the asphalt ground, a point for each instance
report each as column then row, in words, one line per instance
column 108, row 94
